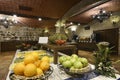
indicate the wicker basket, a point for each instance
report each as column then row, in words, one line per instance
column 76, row 72
column 38, row 77
column 81, row 71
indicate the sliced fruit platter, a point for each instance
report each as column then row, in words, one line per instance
column 74, row 65
column 31, row 65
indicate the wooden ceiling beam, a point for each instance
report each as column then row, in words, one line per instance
column 78, row 8
column 27, row 16
column 90, row 7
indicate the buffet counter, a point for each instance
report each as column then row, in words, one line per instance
column 10, row 45
column 59, row 74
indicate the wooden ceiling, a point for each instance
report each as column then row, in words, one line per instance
column 28, row 11
column 85, row 17
column 49, row 10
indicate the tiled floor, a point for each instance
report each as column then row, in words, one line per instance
column 7, row 57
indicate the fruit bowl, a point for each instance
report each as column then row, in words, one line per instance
column 74, row 65
column 13, row 76
column 75, row 72
column 60, row 42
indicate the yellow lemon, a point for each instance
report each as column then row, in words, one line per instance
column 30, row 70
column 19, row 69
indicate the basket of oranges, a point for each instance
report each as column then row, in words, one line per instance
column 32, row 68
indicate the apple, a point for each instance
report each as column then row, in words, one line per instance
column 74, row 56
column 72, row 60
column 72, row 68
column 84, row 61
column 68, row 57
column 62, row 59
column 79, row 59
column 78, row 65
column 67, row 64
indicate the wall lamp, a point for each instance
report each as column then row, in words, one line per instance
column 115, row 19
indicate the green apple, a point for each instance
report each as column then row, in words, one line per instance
column 84, row 61
column 62, row 59
column 74, row 56
column 67, row 64
column 72, row 60
column 68, row 57
column 72, row 68
column 79, row 59
column 78, row 65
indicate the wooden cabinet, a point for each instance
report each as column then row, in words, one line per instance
column 87, row 46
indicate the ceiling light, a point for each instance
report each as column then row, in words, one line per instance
column 78, row 24
column 71, row 23
column 39, row 19
column 73, row 27
column 102, row 15
column 14, row 15
column 7, row 21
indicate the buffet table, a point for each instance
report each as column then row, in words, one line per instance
column 59, row 74
column 56, row 48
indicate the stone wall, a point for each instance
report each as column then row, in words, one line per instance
column 21, row 33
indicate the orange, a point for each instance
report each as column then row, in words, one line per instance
column 30, row 70
column 19, row 69
column 37, row 63
column 45, row 58
column 39, row 71
column 29, row 59
column 44, row 66
column 35, row 55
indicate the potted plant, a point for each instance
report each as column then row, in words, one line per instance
column 103, row 64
